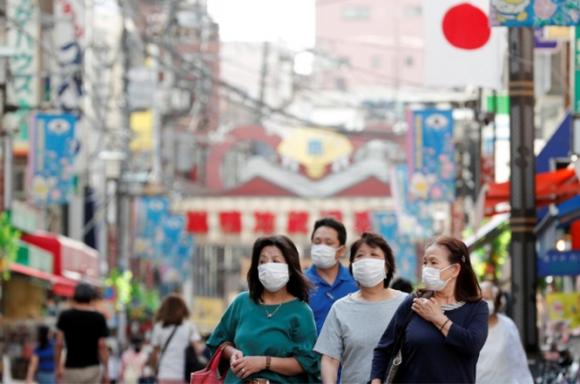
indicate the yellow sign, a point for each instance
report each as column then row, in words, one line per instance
column 315, row 149
column 558, row 33
column 207, row 312
column 142, row 127
column 564, row 307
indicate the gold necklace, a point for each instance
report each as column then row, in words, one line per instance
column 270, row 314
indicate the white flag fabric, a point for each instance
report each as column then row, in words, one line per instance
column 461, row 49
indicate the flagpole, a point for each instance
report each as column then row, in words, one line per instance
column 522, row 182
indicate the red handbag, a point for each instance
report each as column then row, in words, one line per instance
column 211, row 373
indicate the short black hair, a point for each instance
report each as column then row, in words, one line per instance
column 334, row 224
column 298, row 285
column 402, row 285
column 375, row 241
column 84, row 293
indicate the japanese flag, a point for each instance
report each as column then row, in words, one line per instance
column 461, row 49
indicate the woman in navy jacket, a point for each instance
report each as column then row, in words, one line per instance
column 447, row 323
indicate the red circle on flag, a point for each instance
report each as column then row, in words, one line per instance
column 466, row 27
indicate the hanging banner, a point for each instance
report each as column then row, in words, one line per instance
column 52, row 159
column 23, row 36
column 68, row 38
column 150, row 212
column 432, row 164
column 577, row 70
column 534, row 13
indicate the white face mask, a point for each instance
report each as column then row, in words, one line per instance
column 273, row 276
column 491, row 306
column 323, row 256
column 369, row 272
column 431, row 278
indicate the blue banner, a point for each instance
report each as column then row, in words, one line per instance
column 534, row 13
column 385, row 223
column 556, row 263
column 405, row 258
column 433, row 162
column 53, row 154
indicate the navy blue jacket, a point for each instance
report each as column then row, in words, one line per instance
column 428, row 356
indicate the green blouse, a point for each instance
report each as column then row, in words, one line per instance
column 289, row 332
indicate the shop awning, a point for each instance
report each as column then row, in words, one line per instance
column 551, row 188
column 60, row 286
column 74, row 261
column 488, row 231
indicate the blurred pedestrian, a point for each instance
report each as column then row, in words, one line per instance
column 172, row 334
column 441, row 333
column 83, row 331
column 41, row 368
column 133, row 362
column 114, row 366
column 269, row 332
column 356, row 322
column 402, row 285
column 330, row 278
column 502, row 359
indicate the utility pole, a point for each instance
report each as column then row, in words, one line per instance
column 522, row 182
column 263, row 78
column 123, row 203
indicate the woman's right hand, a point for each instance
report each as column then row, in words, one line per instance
column 235, row 355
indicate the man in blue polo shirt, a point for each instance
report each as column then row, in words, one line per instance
column 331, row 279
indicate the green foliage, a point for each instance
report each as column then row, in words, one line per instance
column 121, row 283
column 9, row 238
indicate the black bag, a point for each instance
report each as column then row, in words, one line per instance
column 192, row 363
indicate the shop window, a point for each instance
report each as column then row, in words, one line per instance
column 356, row 13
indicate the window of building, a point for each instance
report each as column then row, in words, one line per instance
column 412, row 10
column 356, row 12
column 340, row 83
column 376, row 61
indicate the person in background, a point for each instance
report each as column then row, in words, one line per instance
column 502, row 359
column 114, row 366
column 133, row 362
column 331, row 279
column 171, row 335
column 41, row 368
column 268, row 333
column 356, row 322
column 402, row 285
column 444, row 329
column 84, row 332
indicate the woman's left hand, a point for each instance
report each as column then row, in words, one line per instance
column 247, row 366
column 429, row 309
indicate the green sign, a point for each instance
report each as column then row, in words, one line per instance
column 577, row 71
column 499, row 104
column 34, row 257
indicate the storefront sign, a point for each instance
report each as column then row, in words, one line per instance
column 564, row 307
column 555, row 263
column 68, row 36
column 23, row 37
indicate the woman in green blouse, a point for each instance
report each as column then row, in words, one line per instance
column 270, row 331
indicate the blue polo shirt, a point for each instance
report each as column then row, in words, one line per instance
column 324, row 295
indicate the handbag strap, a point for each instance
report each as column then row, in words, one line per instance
column 167, row 344
column 401, row 333
column 214, row 363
